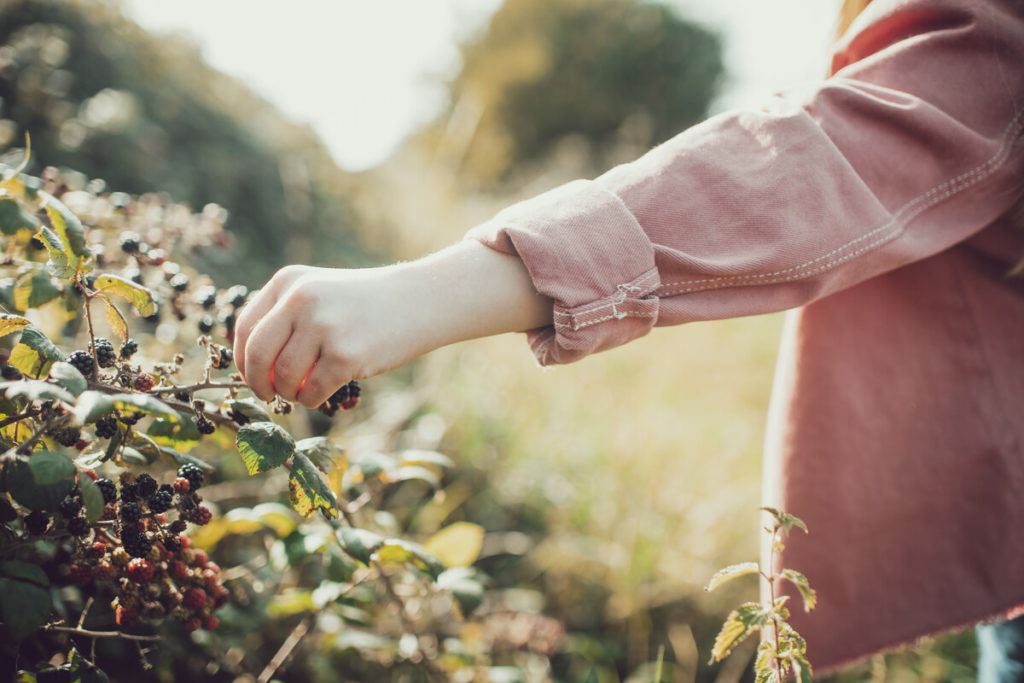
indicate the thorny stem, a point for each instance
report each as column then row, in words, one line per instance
column 180, row 405
column 286, row 648
column 77, row 631
column 31, row 412
column 26, row 447
column 92, row 336
column 771, row 597
column 199, row 386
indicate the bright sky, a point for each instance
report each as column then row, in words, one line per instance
column 365, row 74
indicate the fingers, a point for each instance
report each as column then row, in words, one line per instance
column 322, row 381
column 294, row 364
column 262, row 349
column 257, row 308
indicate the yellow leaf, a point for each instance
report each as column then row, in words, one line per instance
column 117, row 322
column 457, row 545
column 11, row 323
column 141, row 297
column 732, row 572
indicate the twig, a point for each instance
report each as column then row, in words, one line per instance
column 286, row 649
column 31, row 412
column 92, row 335
column 85, row 610
column 26, row 447
column 173, row 403
column 199, row 386
column 76, row 631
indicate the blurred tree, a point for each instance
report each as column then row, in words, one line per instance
column 622, row 74
column 102, row 96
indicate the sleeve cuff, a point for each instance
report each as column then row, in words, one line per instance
column 587, row 252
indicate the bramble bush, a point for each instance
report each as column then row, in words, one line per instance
column 120, row 412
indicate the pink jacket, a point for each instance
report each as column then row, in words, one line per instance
column 878, row 202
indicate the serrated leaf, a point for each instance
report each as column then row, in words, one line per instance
column 785, row 520
column 25, row 607
column 33, row 290
column 740, row 623
column 62, row 264
column 115, row 319
column 84, row 671
column 731, row 572
column 66, row 225
column 91, row 406
column 139, row 296
column 328, row 458
column 145, row 403
column 764, row 664
column 49, row 467
column 67, row 376
column 800, row 581
column 13, row 218
column 359, row 543
column 264, row 446
column 183, row 435
column 35, row 353
column 92, row 497
column 249, row 408
column 24, row 571
column 20, row 481
column 12, row 323
column 35, row 390
column 309, row 488
column 457, row 545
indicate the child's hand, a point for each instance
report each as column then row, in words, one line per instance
column 310, row 330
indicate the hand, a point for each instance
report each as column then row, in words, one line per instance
column 310, row 330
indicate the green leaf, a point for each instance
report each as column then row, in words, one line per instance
column 308, row 488
column 264, row 446
column 457, row 545
column 91, row 406
column 68, row 376
column 372, row 464
column 249, row 408
column 359, row 543
column 49, row 467
column 465, row 588
column 142, row 298
column 785, row 520
column 290, row 602
column 13, row 218
column 764, row 664
column 731, row 572
column 802, row 585
column 145, row 403
column 92, row 497
column 35, row 353
column 25, row 607
column 186, row 459
column 84, row 671
column 740, row 623
column 20, row 480
column 66, row 225
column 35, row 390
column 33, row 290
column 24, row 571
column 182, row 435
column 327, row 457
column 12, row 323
column 401, row 551
column 61, row 263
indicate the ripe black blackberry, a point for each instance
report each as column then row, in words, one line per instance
column 177, row 526
column 237, row 295
column 130, row 242
column 105, row 355
column 82, row 360
column 106, row 427
column 68, row 436
column 161, row 501
column 70, row 506
column 36, row 522
column 78, row 526
column 205, row 427
column 129, row 512
column 194, row 475
column 206, row 324
column 136, row 544
column 206, row 296
column 129, row 491
column 130, row 419
column 146, row 484
column 179, row 283
column 10, row 373
column 129, row 348
column 108, row 489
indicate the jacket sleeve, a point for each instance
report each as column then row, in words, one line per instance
column 912, row 145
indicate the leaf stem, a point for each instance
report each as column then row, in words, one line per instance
column 199, row 386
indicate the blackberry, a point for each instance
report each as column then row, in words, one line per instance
column 129, row 512
column 238, row 417
column 106, row 427
column 179, row 283
column 105, row 355
column 205, row 427
column 206, row 296
column 108, row 489
column 146, row 484
column 136, row 545
column 194, row 475
column 129, row 348
column 161, row 501
column 130, row 419
column 82, row 360
column 68, row 436
column 10, row 373
column 237, row 295
column 70, row 506
column 36, row 522
column 222, row 357
column 206, row 324
column 129, row 491
column 130, row 242
column 78, row 526
column 144, row 382
column 173, row 543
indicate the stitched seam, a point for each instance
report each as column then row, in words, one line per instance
column 587, row 323
column 907, row 212
column 635, row 286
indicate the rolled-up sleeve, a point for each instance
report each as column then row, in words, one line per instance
column 911, row 146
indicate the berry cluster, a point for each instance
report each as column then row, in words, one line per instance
column 137, row 553
column 345, row 398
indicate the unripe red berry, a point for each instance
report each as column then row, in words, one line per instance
column 144, row 382
column 104, row 571
column 98, row 550
column 182, row 485
column 201, row 515
column 186, row 542
column 140, row 570
column 350, row 403
column 199, row 558
column 126, row 616
column 211, row 622
column 195, row 598
column 193, row 624
column 92, row 474
column 120, row 557
column 178, row 570
column 220, row 595
column 80, row 575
